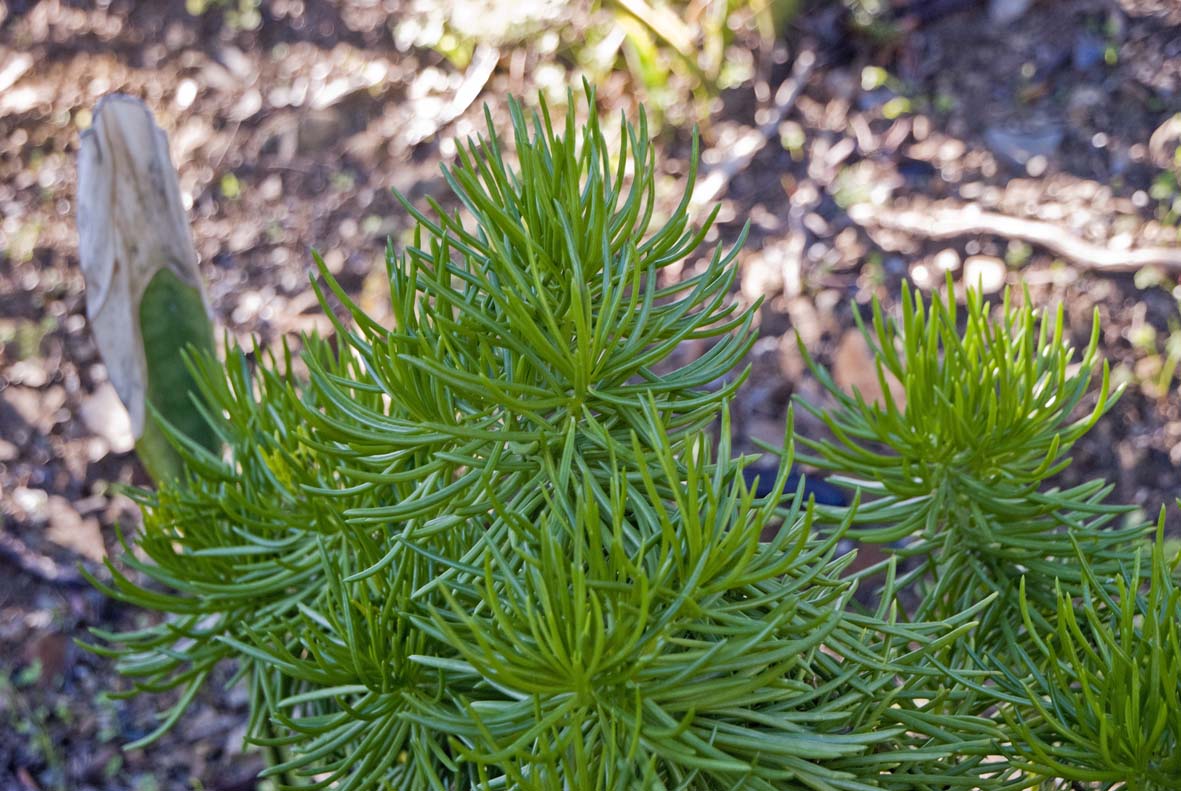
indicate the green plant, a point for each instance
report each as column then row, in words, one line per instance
column 953, row 475
column 1103, row 683
column 491, row 546
column 987, row 415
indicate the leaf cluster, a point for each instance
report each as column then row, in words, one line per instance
column 953, row 467
column 492, row 546
column 1080, row 641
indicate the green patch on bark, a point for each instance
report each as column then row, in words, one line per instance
column 172, row 321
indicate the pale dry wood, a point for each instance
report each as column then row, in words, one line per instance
column 947, row 222
column 131, row 224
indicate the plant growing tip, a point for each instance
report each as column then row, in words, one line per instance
column 144, row 296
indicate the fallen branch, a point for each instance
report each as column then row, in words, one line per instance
column 946, row 222
column 716, row 179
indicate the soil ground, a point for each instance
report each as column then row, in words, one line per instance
column 291, row 135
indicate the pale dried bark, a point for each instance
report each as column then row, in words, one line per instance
column 131, row 224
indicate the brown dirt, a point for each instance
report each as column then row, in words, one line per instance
column 292, row 135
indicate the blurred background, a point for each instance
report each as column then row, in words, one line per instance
column 867, row 142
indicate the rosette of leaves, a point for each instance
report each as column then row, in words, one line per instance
column 489, row 546
column 954, row 474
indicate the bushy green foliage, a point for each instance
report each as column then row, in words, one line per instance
column 988, row 415
column 1103, row 683
column 491, row 546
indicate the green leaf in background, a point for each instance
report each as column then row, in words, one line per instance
column 143, row 289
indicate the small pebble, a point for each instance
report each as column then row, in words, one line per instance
column 984, row 272
column 186, row 94
column 946, row 260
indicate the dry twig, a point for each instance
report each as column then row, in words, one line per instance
column 946, row 222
